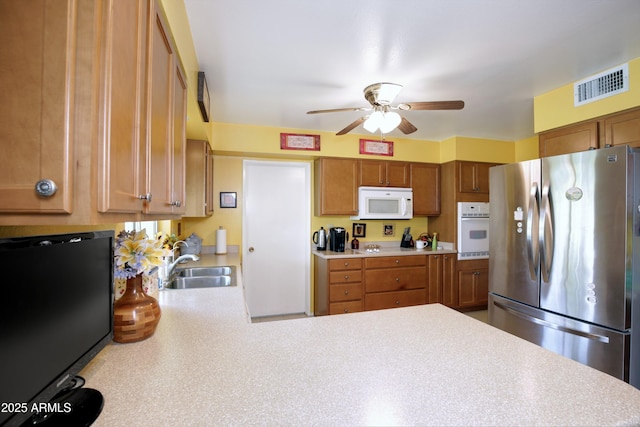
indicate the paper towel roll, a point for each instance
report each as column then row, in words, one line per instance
column 221, row 241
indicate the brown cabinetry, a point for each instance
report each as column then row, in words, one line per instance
column 425, row 182
column 395, row 281
column 381, row 173
column 338, row 286
column 337, row 181
column 473, row 178
column 473, row 283
column 199, row 179
column 442, row 273
column 336, row 186
column 621, row 128
column 106, row 125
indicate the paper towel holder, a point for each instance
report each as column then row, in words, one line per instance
column 228, row 199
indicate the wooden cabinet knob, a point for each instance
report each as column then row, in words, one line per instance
column 346, row 277
column 346, row 292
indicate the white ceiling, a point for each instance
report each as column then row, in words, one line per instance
column 269, row 62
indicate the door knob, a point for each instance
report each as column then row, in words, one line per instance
column 251, row 249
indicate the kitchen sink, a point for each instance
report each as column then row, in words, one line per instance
column 203, row 277
column 205, row 271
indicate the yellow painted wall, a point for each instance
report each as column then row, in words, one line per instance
column 556, row 108
column 476, row 149
column 526, row 149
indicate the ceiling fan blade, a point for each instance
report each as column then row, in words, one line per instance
column 352, row 126
column 337, row 110
column 406, row 127
column 433, row 105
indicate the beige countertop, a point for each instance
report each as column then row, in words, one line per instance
column 425, row 365
column 384, row 251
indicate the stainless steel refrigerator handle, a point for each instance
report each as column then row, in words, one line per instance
column 546, row 234
column 541, row 322
column 533, row 252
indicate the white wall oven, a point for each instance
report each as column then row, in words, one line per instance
column 473, row 230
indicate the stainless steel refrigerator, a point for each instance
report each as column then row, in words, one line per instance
column 564, row 250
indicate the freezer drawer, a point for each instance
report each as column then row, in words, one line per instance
column 603, row 349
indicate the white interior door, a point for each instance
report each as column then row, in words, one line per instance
column 276, row 226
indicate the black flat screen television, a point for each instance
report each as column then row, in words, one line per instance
column 56, row 314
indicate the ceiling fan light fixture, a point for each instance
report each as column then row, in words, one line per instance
column 385, row 121
column 374, row 121
column 390, row 122
column 388, row 92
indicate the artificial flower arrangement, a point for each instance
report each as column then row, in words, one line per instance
column 135, row 254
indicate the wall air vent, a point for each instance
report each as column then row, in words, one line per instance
column 603, row 85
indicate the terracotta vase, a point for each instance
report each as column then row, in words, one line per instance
column 135, row 314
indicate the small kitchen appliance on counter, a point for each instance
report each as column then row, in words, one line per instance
column 338, row 237
column 320, row 239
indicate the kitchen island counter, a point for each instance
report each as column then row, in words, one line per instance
column 422, row 365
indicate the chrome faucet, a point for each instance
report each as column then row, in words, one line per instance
column 178, row 260
column 173, row 248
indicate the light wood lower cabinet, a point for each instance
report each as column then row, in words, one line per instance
column 379, row 282
column 469, row 285
column 338, row 286
column 391, row 282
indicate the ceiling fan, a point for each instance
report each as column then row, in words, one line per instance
column 381, row 96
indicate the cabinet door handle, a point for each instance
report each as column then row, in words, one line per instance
column 397, row 261
column 346, row 264
column 346, row 277
column 397, row 302
column 346, row 292
column 46, row 187
column 145, row 197
column 397, row 279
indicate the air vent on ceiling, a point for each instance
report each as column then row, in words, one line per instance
column 603, row 85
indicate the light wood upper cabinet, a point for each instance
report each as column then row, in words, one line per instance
column 336, row 186
column 199, row 179
column 580, row 137
column 166, row 123
column 103, row 113
column 622, row 128
column 37, row 104
column 121, row 106
column 425, row 182
column 382, row 173
column 473, row 177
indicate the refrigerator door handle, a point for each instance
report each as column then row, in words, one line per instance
column 600, row 338
column 533, row 218
column 545, row 234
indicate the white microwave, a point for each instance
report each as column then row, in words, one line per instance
column 385, row 203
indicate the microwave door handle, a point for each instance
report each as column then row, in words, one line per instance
column 404, row 206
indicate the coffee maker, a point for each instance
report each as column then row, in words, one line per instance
column 338, row 237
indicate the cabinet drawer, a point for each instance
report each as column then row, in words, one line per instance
column 346, row 292
column 347, row 276
column 345, row 264
column 395, row 279
column 394, row 299
column 395, row 261
column 345, row 307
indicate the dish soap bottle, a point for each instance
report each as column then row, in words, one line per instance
column 434, row 242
